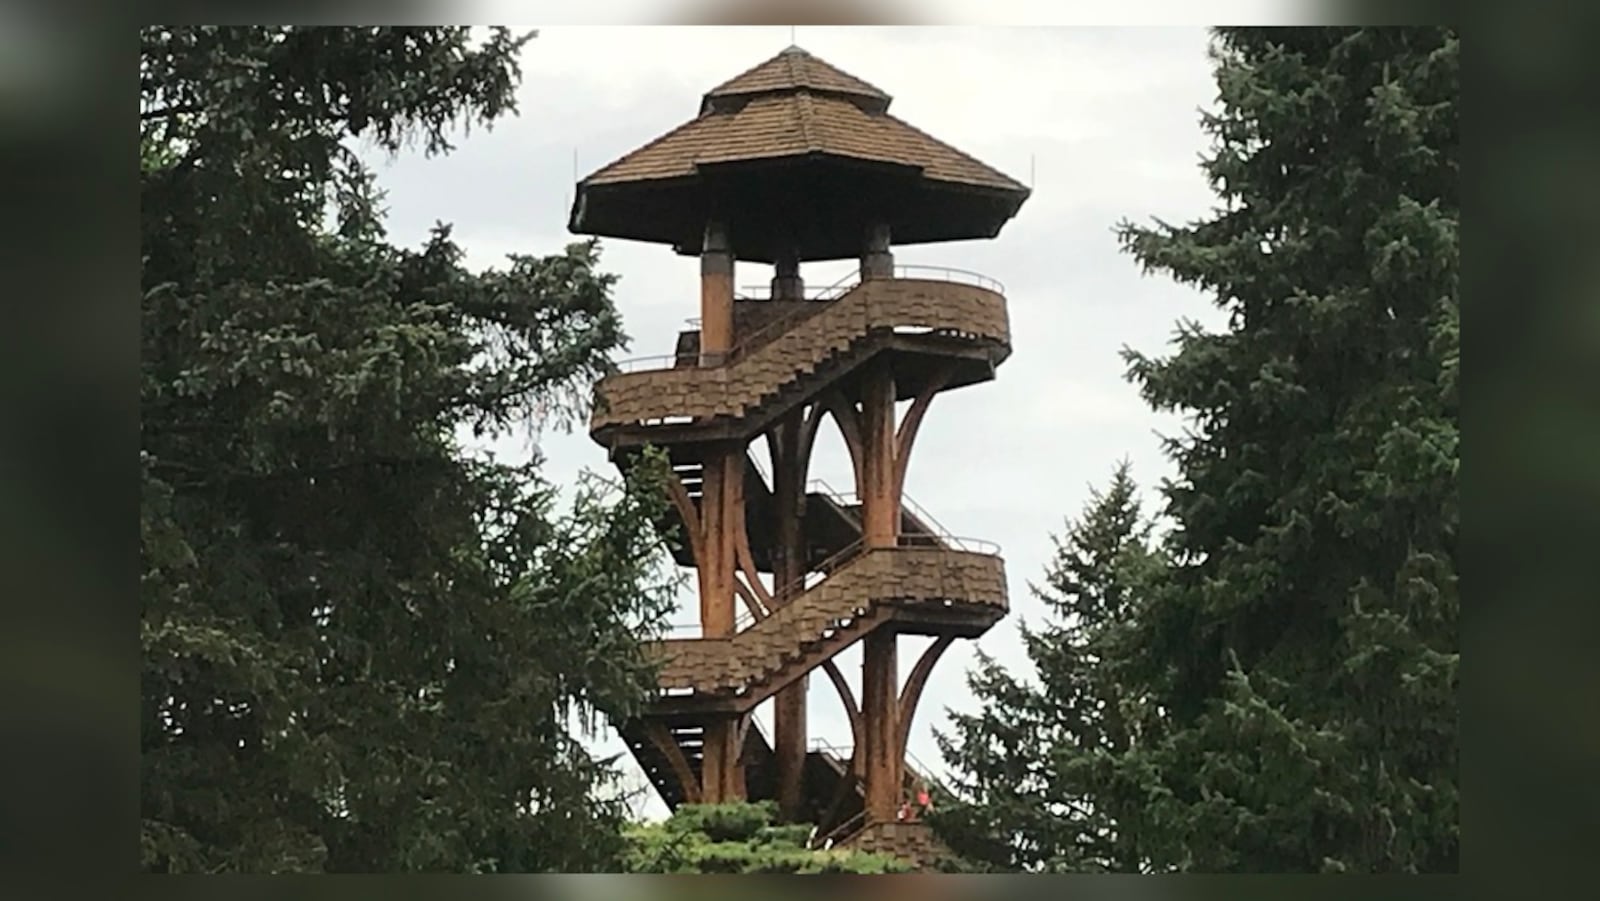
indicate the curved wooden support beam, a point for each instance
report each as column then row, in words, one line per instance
column 747, row 568
column 912, row 692
column 742, row 732
column 807, row 441
column 744, row 560
column 757, row 611
column 777, row 454
column 848, row 419
column 662, row 739
column 690, row 515
column 752, row 580
column 907, row 433
column 848, row 699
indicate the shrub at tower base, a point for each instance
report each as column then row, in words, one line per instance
column 739, row 838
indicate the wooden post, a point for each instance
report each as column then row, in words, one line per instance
column 721, row 776
column 722, row 493
column 788, row 568
column 879, row 498
column 786, row 283
column 716, row 295
column 880, row 703
column 877, row 260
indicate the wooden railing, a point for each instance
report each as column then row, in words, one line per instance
column 814, row 302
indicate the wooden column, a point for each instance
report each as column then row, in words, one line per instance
column 786, row 283
column 879, row 479
column 789, row 567
column 877, row 260
column 721, row 776
column 882, row 760
column 716, row 295
column 722, row 493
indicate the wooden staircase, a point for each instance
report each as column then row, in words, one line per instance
column 789, row 363
column 958, row 592
column 689, row 737
column 835, row 795
column 831, row 522
column 926, row 583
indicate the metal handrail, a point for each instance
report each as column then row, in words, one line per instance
column 839, row 497
column 639, row 364
column 761, row 336
column 845, row 828
column 744, row 620
column 970, row 545
column 965, row 276
column 764, row 292
column 826, row 567
column 845, row 752
column 919, row 512
column 955, row 542
column 838, row 289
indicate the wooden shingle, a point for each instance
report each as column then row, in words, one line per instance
column 793, row 105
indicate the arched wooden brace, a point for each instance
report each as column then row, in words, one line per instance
column 744, row 561
column 848, row 699
column 789, row 450
column 781, row 444
column 687, row 780
column 752, row 579
column 848, row 417
column 778, row 450
column 789, row 447
column 695, row 532
column 742, row 731
column 911, row 692
column 907, row 432
column 808, row 440
column 757, row 612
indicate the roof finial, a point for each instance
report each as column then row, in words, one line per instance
column 792, row 42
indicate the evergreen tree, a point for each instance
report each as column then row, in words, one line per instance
column 1292, row 661
column 362, row 645
column 1307, row 631
column 1050, row 773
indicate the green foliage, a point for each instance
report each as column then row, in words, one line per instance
column 363, row 646
column 1301, row 645
column 1308, row 633
column 1051, row 772
column 739, row 838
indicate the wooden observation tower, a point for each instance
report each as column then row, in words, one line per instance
column 790, row 162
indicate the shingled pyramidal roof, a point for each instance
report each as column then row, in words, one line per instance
column 791, row 108
column 795, row 69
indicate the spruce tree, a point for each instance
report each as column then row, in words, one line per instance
column 1293, row 655
column 1306, row 632
column 1049, row 773
column 362, row 645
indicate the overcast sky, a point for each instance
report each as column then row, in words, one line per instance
column 1103, row 123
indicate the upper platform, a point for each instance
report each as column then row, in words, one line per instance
column 937, row 328
column 798, row 158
